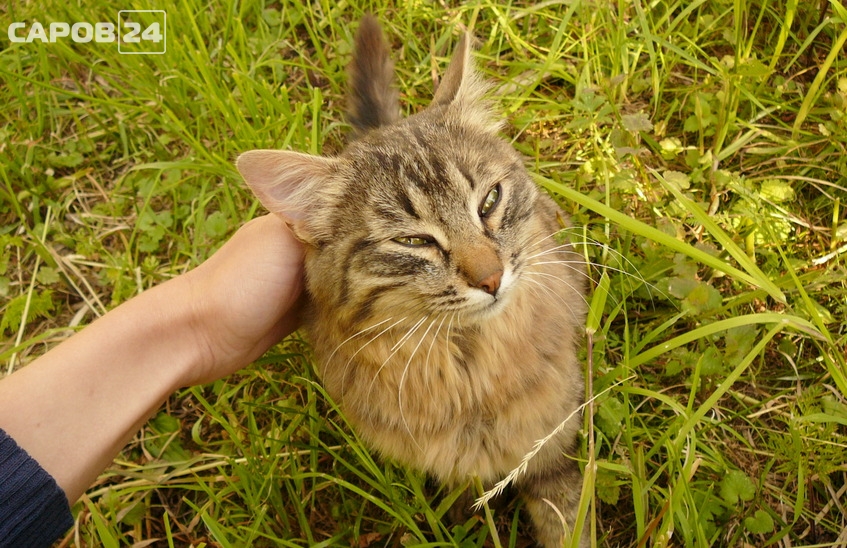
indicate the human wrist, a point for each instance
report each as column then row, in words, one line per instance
column 245, row 298
column 160, row 332
column 184, row 332
column 204, row 325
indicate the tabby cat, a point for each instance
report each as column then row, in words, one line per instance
column 444, row 315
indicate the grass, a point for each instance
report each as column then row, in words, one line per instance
column 698, row 146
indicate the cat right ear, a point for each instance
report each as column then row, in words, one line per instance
column 288, row 184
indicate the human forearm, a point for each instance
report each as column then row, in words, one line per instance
column 75, row 407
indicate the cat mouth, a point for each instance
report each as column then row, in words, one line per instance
column 484, row 305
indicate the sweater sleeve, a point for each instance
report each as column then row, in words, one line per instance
column 34, row 510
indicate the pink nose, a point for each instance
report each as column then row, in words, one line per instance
column 491, row 283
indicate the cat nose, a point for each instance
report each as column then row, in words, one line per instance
column 480, row 266
column 491, row 283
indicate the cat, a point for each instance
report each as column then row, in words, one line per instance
column 444, row 315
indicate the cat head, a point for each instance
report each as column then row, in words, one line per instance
column 432, row 214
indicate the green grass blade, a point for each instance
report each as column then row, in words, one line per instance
column 637, row 227
column 726, row 384
column 765, row 318
column 813, row 95
column 598, row 304
column 725, row 240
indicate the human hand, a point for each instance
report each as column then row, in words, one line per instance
column 247, row 297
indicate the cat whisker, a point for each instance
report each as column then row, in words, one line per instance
column 598, row 266
column 541, row 240
column 353, row 356
column 578, row 271
column 583, row 274
column 538, row 246
column 547, row 289
column 630, row 276
column 449, row 328
column 532, row 287
column 577, row 266
column 582, row 239
column 432, row 344
column 564, row 249
column 399, row 344
column 356, row 334
column 576, row 290
column 403, row 381
column 408, row 334
column 621, row 259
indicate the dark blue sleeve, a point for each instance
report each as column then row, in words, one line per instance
column 33, row 508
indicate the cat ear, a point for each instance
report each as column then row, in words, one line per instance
column 460, row 76
column 461, row 82
column 463, row 87
column 288, row 184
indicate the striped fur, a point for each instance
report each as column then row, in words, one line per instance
column 444, row 315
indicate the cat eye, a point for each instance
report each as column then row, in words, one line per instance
column 490, row 201
column 414, row 241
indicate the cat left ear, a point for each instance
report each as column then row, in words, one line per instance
column 288, row 184
column 460, row 78
column 462, row 86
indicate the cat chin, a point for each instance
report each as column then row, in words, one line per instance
column 488, row 312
